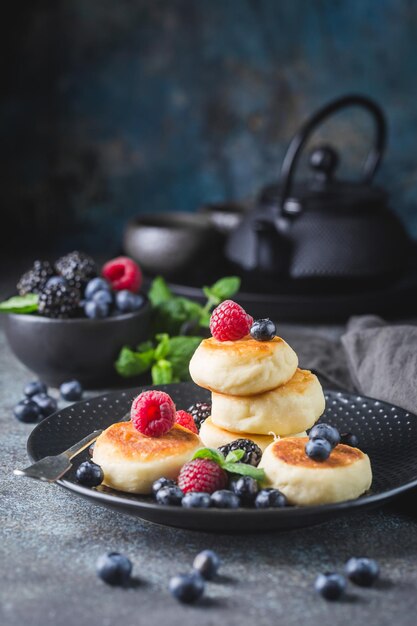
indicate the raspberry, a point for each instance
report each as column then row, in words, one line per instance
column 123, row 273
column 230, row 322
column 153, row 413
column 186, row 420
column 202, row 475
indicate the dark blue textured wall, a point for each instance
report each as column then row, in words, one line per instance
column 116, row 107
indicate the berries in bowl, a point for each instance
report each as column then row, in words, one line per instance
column 70, row 319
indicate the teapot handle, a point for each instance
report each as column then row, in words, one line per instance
column 297, row 143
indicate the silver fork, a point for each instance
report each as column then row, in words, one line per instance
column 52, row 468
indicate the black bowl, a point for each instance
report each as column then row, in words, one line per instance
column 85, row 349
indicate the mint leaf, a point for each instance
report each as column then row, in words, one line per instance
column 162, row 373
column 234, row 456
column 145, row 346
column 20, row 304
column 162, row 348
column 224, row 288
column 205, row 317
column 170, row 315
column 212, row 298
column 245, row 470
column 159, row 291
column 210, row 453
column 180, row 351
column 130, row 363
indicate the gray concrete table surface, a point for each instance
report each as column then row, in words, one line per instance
column 50, row 540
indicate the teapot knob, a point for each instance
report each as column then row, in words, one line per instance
column 324, row 160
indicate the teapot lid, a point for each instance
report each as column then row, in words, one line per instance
column 325, row 190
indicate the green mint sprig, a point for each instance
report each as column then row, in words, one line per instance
column 231, row 462
column 20, row 304
column 172, row 312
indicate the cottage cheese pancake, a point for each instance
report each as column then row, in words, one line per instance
column 345, row 475
column 290, row 408
column 243, row 367
column 132, row 462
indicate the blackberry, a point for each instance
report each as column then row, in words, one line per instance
column 200, row 412
column 77, row 268
column 252, row 455
column 34, row 280
column 59, row 301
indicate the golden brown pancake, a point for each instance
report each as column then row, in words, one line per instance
column 132, row 462
column 345, row 475
column 290, row 408
column 243, row 367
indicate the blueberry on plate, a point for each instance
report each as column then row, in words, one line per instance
column 46, row 404
column 263, row 330
column 325, row 431
column 71, row 390
column 96, row 310
column 246, row 488
column 95, row 285
column 187, row 588
column 170, row 495
column 89, row 474
column 126, row 301
column 162, row 482
column 318, row 449
column 207, row 564
column 330, row 586
column 349, row 439
column 34, row 387
column 27, row 411
column 114, row 568
column 270, row 499
column 196, row 500
column 103, row 297
column 361, row 571
column 225, row 499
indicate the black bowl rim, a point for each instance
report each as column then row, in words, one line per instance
column 31, row 317
column 363, row 502
column 167, row 219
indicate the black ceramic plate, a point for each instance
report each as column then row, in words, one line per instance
column 387, row 433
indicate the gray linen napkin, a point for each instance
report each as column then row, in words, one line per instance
column 382, row 360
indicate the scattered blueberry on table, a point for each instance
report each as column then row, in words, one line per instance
column 89, row 474
column 27, row 411
column 47, row 405
column 71, row 391
column 207, row 563
column 34, row 387
column 330, row 586
column 187, row 588
column 114, row 568
column 362, row 571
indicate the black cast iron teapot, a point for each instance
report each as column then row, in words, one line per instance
column 324, row 229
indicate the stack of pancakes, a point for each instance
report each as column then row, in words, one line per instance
column 258, row 391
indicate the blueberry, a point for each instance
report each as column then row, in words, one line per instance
column 246, row 488
column 362, row 572
column 55, row 281
column 270, row 499
column 170, row 495
column 71, row 390
column 103, row 297
column 27, row 411
column 161, row 482
column 96, row 310
column 34, row 387
column 318, row 449
column 325, row 431
column 196, row 500
column 207, row 564
column 126, row 301
column 96, row 284
column 187, row 587
column 46, row 404
column 349, row 439
column 89, row 474
column 225, row 499
column 330, row 586
column 114, row 568
column 263, row 330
